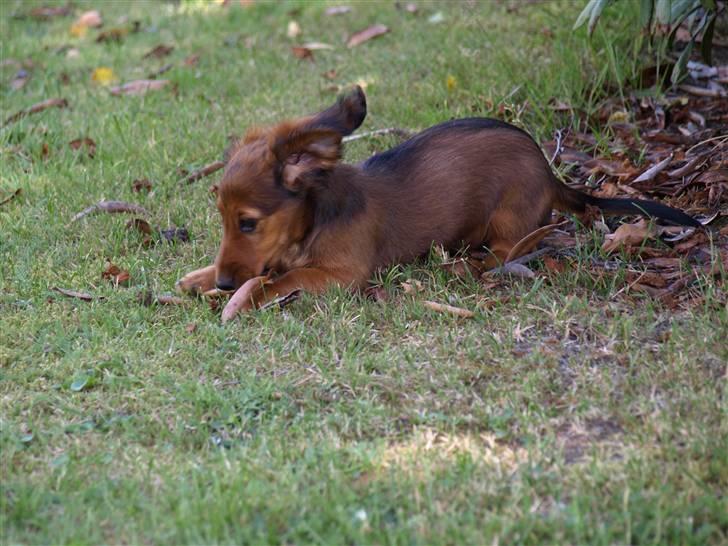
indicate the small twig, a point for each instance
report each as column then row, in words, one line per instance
column 404, row 133
column 84, row 296
column 204, row 171
column 444, row 308
column 110, row 207
column 722, row 138
column 702, row 91
column 11, row 197
column 39, row 107
column 558, row 149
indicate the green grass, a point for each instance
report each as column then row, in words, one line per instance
column 563, row 413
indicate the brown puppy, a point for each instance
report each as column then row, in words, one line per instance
column 289, row 206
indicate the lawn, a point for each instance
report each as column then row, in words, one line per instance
column 569, row 410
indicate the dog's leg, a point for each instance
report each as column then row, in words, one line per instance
column 198, row 281
column 309, row 279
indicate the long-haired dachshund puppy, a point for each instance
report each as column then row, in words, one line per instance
column 289, row 207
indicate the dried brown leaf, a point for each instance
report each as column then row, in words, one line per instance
column 192, row 60
column 301, row 52
column 140, row 224
column 337, row 10
column 377, row 293
column 110, row 207
column 113, row 273
column 78, row 295
column 141, row 184
column 367, row 34
column 116, row 34
column 653, row 171
column 138, row 87
column 20, row 79
column 172, row 235
column 451, row 309
column 38, row 107
column 47, row 12
column 158, row 51
column 85, row 142
column 628, row 235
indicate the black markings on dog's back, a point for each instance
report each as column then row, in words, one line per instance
column 337, row 201
column 408, row 151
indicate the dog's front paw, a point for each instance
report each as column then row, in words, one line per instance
column 197, row 282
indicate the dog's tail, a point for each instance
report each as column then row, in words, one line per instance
column 575, row 201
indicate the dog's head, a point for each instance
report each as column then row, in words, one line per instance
column 268, row 178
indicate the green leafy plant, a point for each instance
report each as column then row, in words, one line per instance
column 662, row 19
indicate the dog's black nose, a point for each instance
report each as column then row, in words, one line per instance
column 225, row 283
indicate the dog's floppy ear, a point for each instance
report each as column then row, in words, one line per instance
column 304, row 155
column 346, row 115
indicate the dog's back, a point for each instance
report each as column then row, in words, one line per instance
column 459, row 183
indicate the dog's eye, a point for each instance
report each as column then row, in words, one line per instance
column 247, row 225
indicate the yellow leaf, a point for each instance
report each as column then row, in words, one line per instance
column 103, row 76
column 451, row 83
column 78, row 30
column 618, row 117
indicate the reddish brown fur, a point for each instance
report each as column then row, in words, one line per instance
column 320, row 222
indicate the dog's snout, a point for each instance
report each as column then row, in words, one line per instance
column 225, row 283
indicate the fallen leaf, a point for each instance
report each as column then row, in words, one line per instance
column 140, row 224
column 191, row 328
column 301, row 52
column 47, row 12
column 38, row 107
column 412, row 286
column 293, row 30
column 445, row 308
column 116, row 34
column 78, row 295
column 86, row 143
column 138, row 87
column 330, row 74
column 115, row 274
column 20, row 79
column 45, row 151
column 628, row 235
column 317, row 46
column 377, row 293
column 110, row 207
column 553, row 265
column 451, row 83
column 653, row 171
column 172, row 235
column 141, row 184
column 158, row 52
column 367, row 34
column 11, row 196
column 192, row 60
column 103, row 75
column 646, row 278
column 337, row 10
